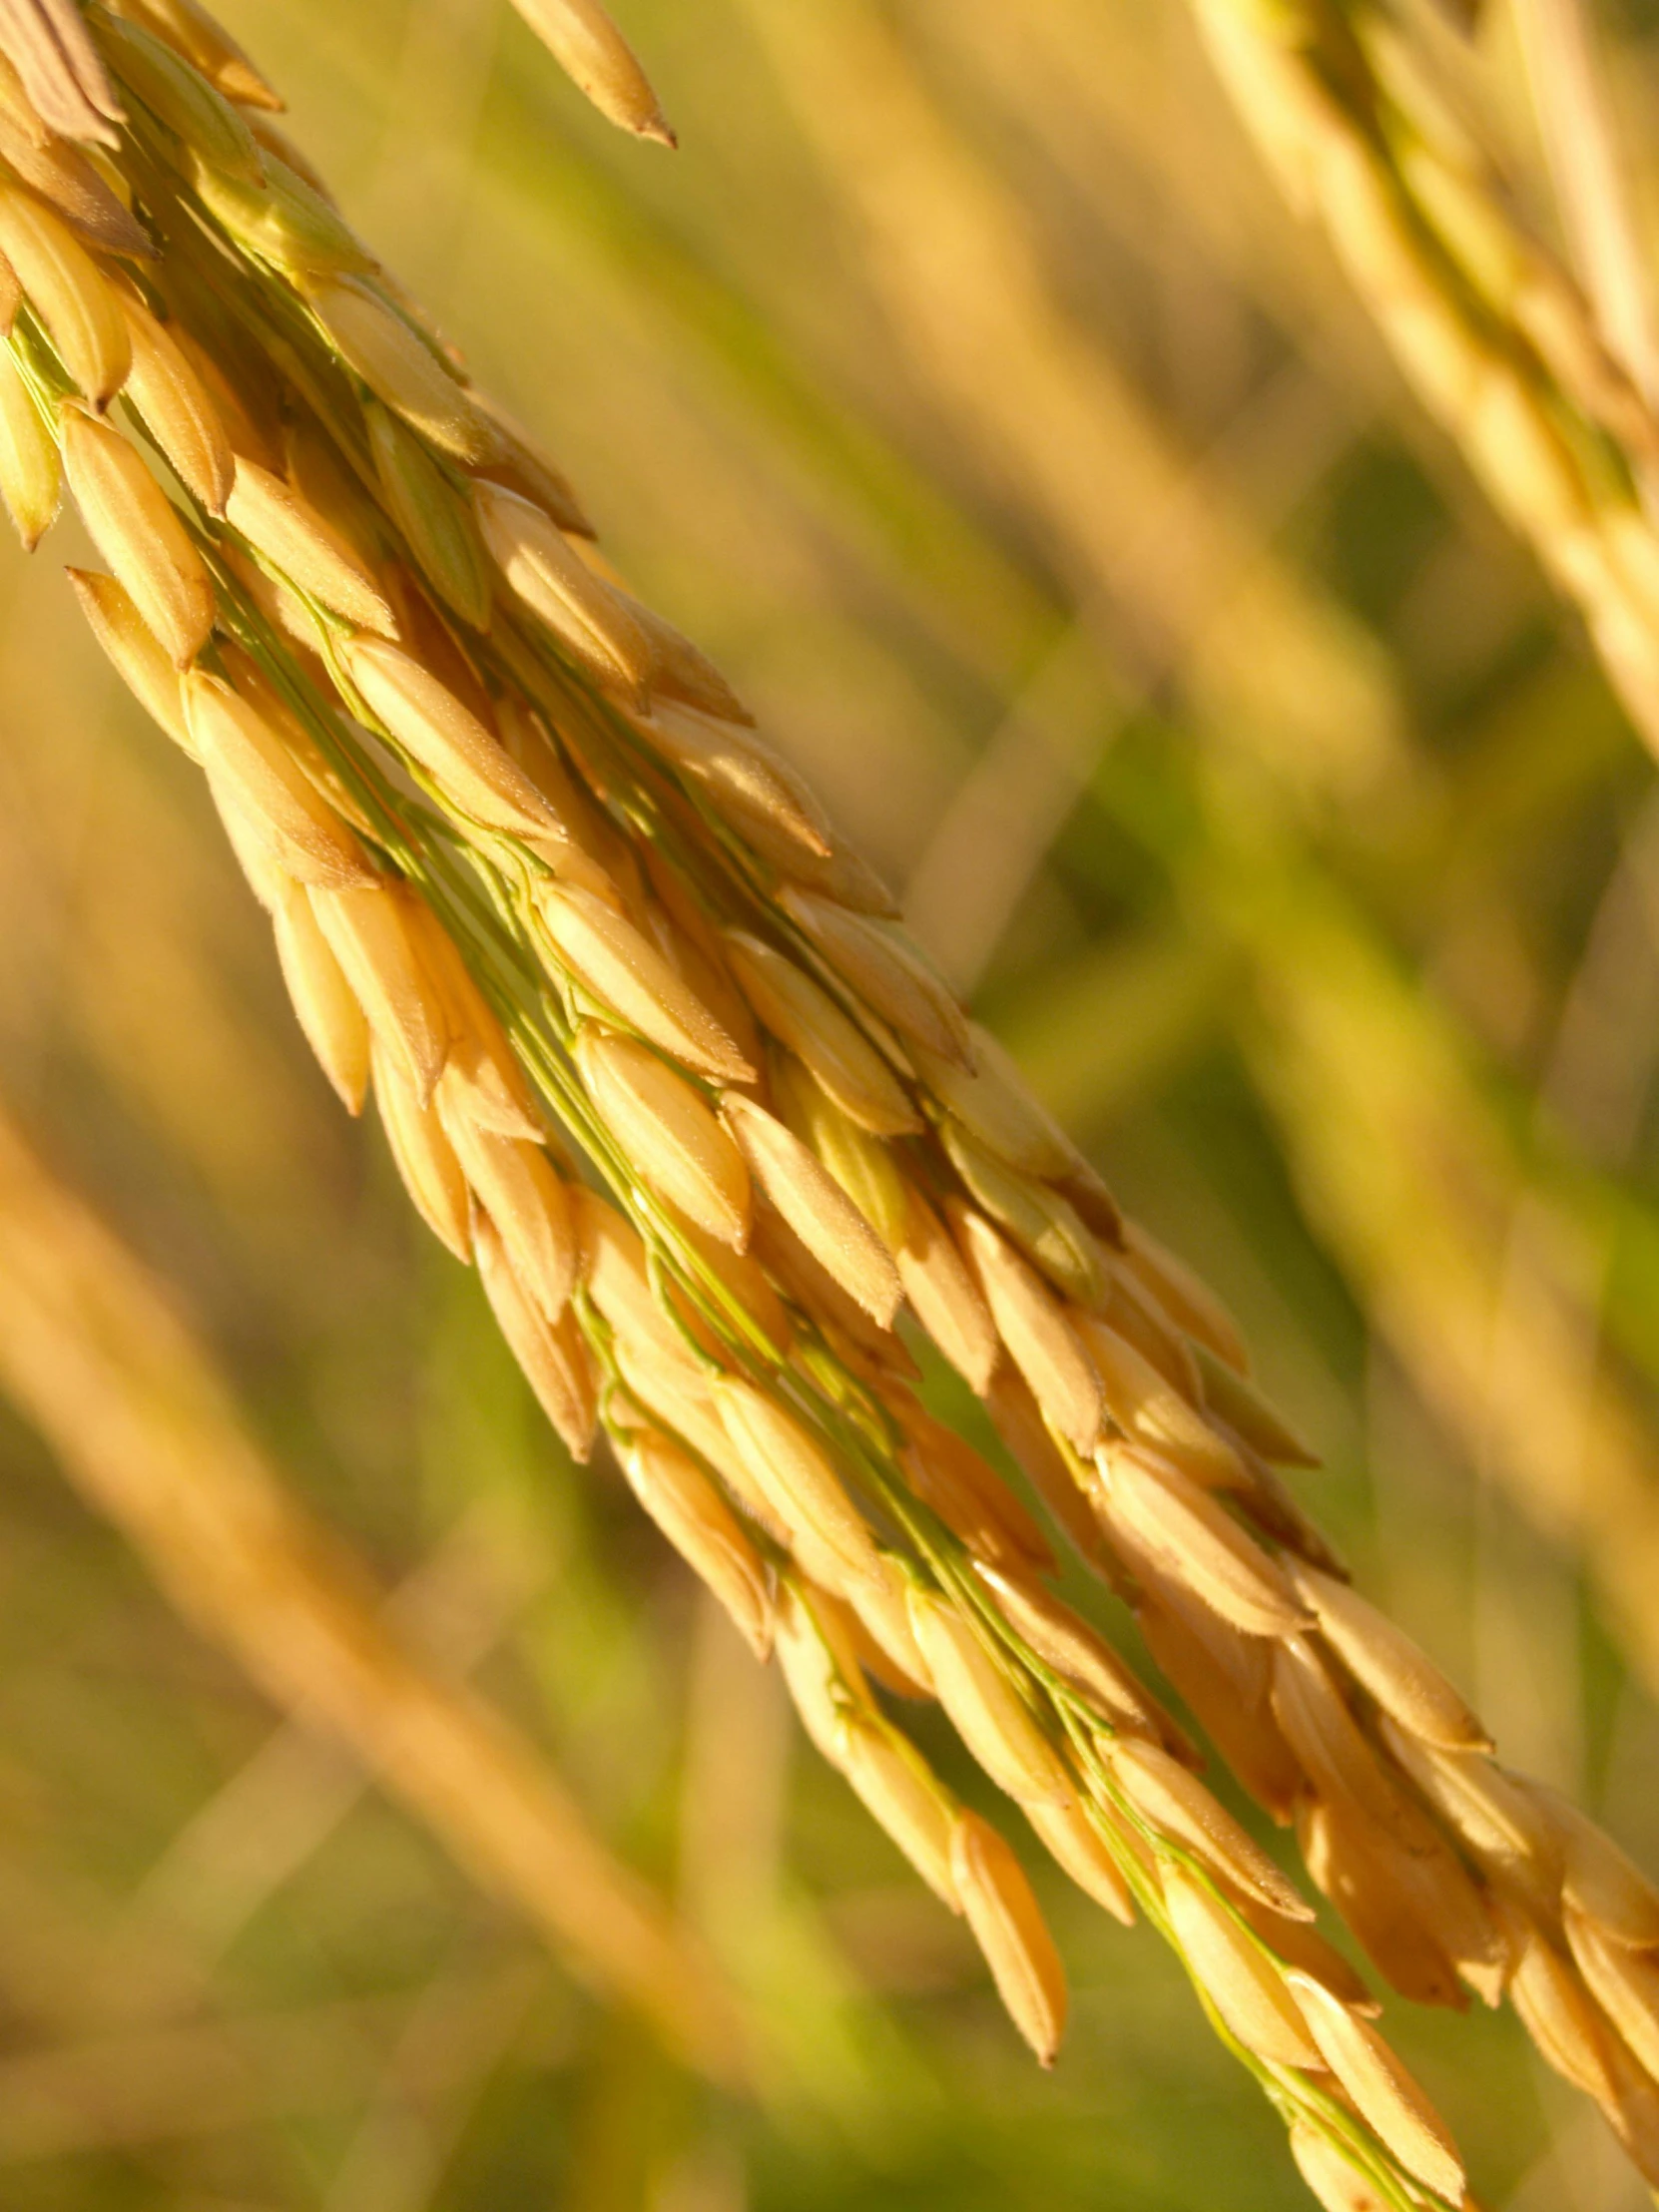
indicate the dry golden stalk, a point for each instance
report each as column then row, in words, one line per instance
column 93, row 1351
column 1495, row 335
column 561, row 957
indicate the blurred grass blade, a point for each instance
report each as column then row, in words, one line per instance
column 92, row 1350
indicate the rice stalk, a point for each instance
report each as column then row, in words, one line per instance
column 519, row 851
column 92, row 1350
column 1495, row 335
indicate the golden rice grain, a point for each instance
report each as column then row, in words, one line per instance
column 324, row 1003
column 944, row 1296
column 986, row 1711
column 400, row 368
column 544, row 569
column 553, row 1357
column 1074, row 1843
column 624, row 970
column 794, row 1475
column 586, row 44
column 1199, row 1544
column 674, row 1142
column 803, row 1015
column 1379, row 2085
column 136, row 528
column 289, row 532
column 1401, row 1678
column 424, row 1157
column 250, row 767
column 1243, row 1983
column 178, row 411
column 817, row 1209
column 690, row 1513
column 67, row 289
column 902, row 1794
column 371, row 935
column 31, row 473
column 1033, row 1326
column 1011, row 1932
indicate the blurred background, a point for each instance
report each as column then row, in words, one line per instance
column 962, row 386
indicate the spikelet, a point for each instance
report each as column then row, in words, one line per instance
column 1326, row 1740
column 902, row 1795
column 1176, row 1803
column 334, row 1023
column 1082, row 1659
column 1185, row 1296
column 1556, row 2011
column 192, row 32
column 625, row 972
column 745, row 1283
column 886, row 970
column 1234, row 1713
column 424, row 1157
column 1129, row 1307
column 968, row 1496
column 817, row 1209
column 673, row 1141
column 1031, row 1323
column 794, row 1476
column 526, row 1200
column 1074, row 1843
column 61, row 174
column 736, row 774
column 808, row 1284
column 1237, row 1401
column 290, row 533
column 944, row 1296
column 801, row 1015
column 690, row 1513
column 612, row 1267
column 181, row 96
column 995, row 1102
column 69, row 293
column 399, row 367
column 554, row 1358
column 31, row 474
column 587, row 46
column 371, row 935
column 859, row 1163
column 1010, row 1930
column 1243, row 1983
column 135, row 652
column 545, row 570
column 1493, row 1814
column 1415, row 1910
column 1597, row 1880
column 178, row 412
column 135, row 527
column 1624, row 1983
column 1042, row 1224
column 1330, row 2174
column 253, row 773
column 879, row 1605
column 1401, row 1678
column 1198, row 1544
column 1147, row 1409
column 435, row 519
column 1384, row 2091
column 986, row 1712
column 445, row 738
